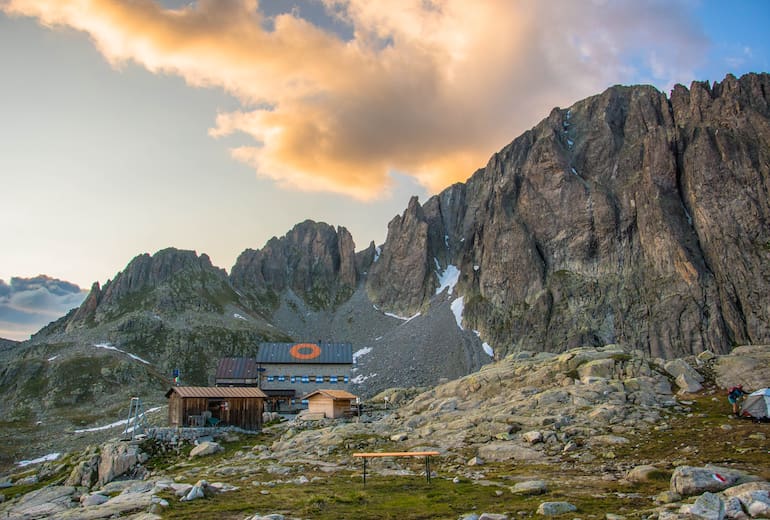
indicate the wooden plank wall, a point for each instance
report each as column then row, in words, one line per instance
column 245, row 413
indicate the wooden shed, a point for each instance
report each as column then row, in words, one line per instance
column 332, row 403
column 197, row 406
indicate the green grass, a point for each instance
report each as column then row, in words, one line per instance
column 345, row 496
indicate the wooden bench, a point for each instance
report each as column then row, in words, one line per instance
column 426, row 454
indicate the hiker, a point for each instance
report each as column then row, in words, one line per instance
column 735, row 395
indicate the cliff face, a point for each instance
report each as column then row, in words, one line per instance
column 314, row 260
column 626, row 218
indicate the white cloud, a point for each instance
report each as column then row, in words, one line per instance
column 430, row 88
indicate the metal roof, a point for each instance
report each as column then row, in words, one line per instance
column 305, row 353
column 237, row 368
column 334, row 394
column 216, row 391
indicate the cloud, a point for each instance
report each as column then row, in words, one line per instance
column 28, row 304
column 429, row 88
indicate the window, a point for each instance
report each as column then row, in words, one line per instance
column 269, row 379
column 293, row 379
column 333, row 379
column 281, row 378
column 347, row 379
column 319, row 379
column 305, row 379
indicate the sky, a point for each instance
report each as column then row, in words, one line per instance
column 131, row 126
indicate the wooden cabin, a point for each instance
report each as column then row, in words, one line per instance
column 332, row 403
column 200, row 406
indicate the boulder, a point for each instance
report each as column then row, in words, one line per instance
column 117, row 459
column 530, row 487
column 196, row 492
column 708, row 506
column 677, row 367
column 555, row 508
column 206, row 448
column 532, row 437
column 690, row 480
column 759, row 509
column 687, row 384
column 493, row 516
column 598, row 368
column 734, row 509
column 641, row 473
column 748, row 365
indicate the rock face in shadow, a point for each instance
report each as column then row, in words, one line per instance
column 314, row 260
column 629, row 218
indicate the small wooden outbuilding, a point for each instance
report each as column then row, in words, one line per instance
column 197, row 406
column 332, row 403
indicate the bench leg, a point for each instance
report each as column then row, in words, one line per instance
column 427, row 468
column 364, row 459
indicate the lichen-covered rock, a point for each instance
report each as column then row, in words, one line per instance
column 708, row 506
column 116, row 459
column 690, row 480
column 555, row 508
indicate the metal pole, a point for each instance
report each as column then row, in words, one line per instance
column 364, row 470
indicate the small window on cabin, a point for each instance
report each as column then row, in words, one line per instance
column 332, row 379
column 281, row 378
column 319, row 379
column 347, row 379
column 305, row 379
column 269, row 379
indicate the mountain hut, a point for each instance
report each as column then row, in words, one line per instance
column 199, row 406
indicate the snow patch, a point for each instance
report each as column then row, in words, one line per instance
column 401, row 317
column 446, row 241
column 448, row 279
column 570, row 143
column 116, row 424
column 476, row 268
column 488, row 349
column 378, row 338
column 360, row 379
column 238, row 316
column 457, row 309
column 574, row 171
column 377, row 253
column 52, row 358
column 107, row 346
column 44, row 458
column 362, row 352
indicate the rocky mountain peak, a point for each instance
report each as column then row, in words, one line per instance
column 170, row 280
column 628, row 217
column 315, row 260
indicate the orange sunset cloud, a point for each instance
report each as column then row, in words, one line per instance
column 425, row 88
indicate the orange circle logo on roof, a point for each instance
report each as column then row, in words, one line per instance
column 305, row 351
